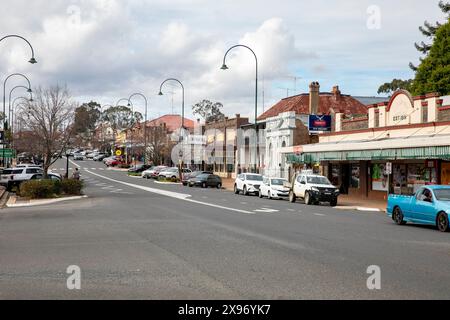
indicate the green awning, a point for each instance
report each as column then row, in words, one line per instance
column 441, row 152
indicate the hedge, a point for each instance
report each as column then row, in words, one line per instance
column 42, row 189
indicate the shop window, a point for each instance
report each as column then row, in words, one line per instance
column 399, row 179
column 335, row 175
column 420, row 175
column 379, row 177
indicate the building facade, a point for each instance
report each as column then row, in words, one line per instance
column 287, row 124
column 401, row 145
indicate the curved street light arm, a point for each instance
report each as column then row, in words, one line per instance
column 32, row 60
column 10, row 94
column 182, row 104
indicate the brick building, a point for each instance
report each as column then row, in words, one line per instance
column 286, row 124
column 408, row 134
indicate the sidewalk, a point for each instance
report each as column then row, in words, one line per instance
column 344, row 203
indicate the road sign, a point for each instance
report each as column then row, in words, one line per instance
column 7, row 153
column 118, row 153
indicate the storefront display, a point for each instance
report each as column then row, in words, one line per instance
column 400, row 185
column 379, row 177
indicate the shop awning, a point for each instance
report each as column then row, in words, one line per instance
column 421, row 147
column 389, row 154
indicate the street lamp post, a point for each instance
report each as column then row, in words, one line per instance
column 102, row 119
column 129, row 103
column 4, row 106
column 32, row 61
column 145, row 122
column 10, row 97
column 182, row 121
column 13, row 116
column 225, row 67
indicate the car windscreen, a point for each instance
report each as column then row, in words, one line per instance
column 318, row 180
column 254, row 177
column 442, row 194
column 278, row 182
column 202, row 176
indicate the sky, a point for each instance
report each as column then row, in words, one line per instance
column 105, row 50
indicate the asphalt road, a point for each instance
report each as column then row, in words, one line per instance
column 136, row 239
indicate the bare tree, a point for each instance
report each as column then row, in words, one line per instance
column 50, row 119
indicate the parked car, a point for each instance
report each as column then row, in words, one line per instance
column 91, row 155
column 274, row 188
column 100, row 157
column 248, row 183
column 51, row 176
column 191, row 175
column 139, row 168
column 108, row 158
column 78, row 156
column 28, row 165
column 113, row 162
column 430, row 205
column 173, row 173
column 206, row 180
column 14, row 176
column 153, row 172
column 313, row 189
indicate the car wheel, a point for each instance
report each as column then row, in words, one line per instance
column 292, row 197
column 219, row 186
column 307, row 198
column 245, row 191
column 442, row 222
column 333, row 203
column 397, row 216
column 236, row 190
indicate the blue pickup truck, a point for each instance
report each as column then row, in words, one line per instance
column 430, row 205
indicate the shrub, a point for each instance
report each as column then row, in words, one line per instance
column 42, row 189
column 37, row 189
column 71, row 186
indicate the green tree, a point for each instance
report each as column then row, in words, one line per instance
column 394, row 85
column 433, row 74
column 209, row 111
column 429, row 31
column 86, row 117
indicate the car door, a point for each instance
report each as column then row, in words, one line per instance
column 240, row 181
column 424, row 208
column 301, row 186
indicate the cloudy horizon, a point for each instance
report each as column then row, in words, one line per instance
column 105, row 50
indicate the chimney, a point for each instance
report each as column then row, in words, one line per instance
column 238, row 115
column 314, row 89
column 336, row 92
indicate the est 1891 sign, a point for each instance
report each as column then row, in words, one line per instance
column 319, row 123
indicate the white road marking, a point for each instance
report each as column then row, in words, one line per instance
column 291, row 210
column 266, row 210
column 176, row 195
column 319, row 214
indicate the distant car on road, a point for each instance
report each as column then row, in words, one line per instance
column 274, row 188
column 206, row 180
column 153, row 172
column 78, row 156
column 248, row 183
column 100, row 157
column 173, row 173
column 139, row 168
column 430, row 205
column 191, row 175
column 113, row 162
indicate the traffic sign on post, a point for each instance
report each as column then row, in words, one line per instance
column 118, row 153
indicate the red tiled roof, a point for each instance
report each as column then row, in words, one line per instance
column 327, row 101
column 172, row 121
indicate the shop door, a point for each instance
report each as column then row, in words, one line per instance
column 345, row 178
